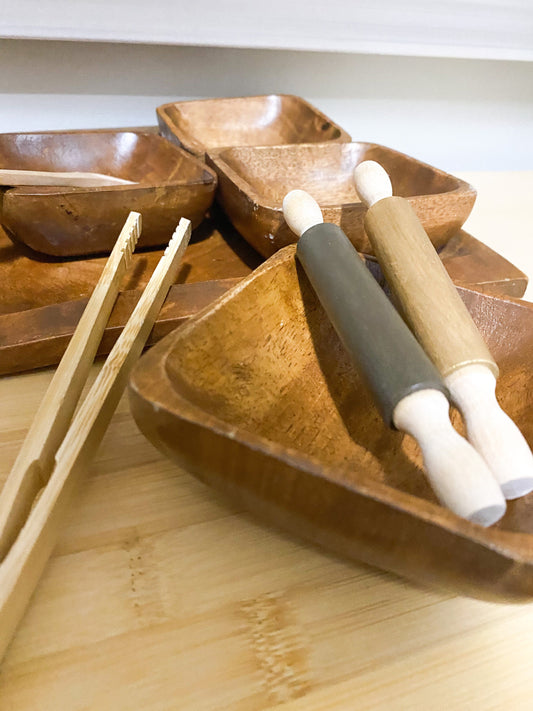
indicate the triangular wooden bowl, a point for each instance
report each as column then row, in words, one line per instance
column 256, row 397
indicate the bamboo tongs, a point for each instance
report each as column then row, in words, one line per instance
column 54, row 454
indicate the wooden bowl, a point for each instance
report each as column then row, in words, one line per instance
column 200, row 126
column 256, row 397
column 170, row 184
column 254, row 180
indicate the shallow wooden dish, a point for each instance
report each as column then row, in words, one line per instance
column 170, row 183
column 200, row 126
column 254, row 180
column 257, row 398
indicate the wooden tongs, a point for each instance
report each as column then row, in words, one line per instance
column 59, row 446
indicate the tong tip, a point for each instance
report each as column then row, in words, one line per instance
column 133, row 231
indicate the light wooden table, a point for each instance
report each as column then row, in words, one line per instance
column 160, row 595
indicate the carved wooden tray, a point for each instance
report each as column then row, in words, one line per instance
column 257, row 397
column 42, row 298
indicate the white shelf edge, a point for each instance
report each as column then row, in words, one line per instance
column 376, row 48
column 460, row 29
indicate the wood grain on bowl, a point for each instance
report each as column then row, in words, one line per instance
column 63, row 221
column 254, row 180
column 200, row 126
column 257, row 397
column 42, row 298
column 216, row 251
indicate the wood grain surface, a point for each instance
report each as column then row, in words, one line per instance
column 162, row 596
column 258, row 398
column 167, row 183
column 42, row 297
column 428, row 297
column 31, row 280
column 37, row 456
column 22, row 567
column 253, row 180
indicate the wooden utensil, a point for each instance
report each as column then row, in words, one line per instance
column 35, row 460
column 23, row 564
column 444, row 327
column 406, row 386
column 68, row 179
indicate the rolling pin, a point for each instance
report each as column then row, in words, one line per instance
column 406, row 386
column 444, row 327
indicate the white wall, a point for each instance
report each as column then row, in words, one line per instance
column 459, row 114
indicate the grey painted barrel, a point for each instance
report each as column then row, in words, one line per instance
column 385, row 352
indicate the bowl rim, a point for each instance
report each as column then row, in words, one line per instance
column 198, row 148
column 206, row 175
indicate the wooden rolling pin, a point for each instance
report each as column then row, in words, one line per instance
column 56, row 179
column 444, row 327
column 407, row 388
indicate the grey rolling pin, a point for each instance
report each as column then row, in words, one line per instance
column 407, row 388
column 444, row 327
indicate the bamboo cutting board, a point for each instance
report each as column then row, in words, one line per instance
column 160, row 596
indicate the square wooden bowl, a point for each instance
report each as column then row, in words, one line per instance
column 254, row 180
column 169, row 184
column 201, row 126
column 257, row 397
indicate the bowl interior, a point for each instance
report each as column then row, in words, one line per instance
column 248, row 121
column 143, row 158
column 325, row 171
column 268, row 364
